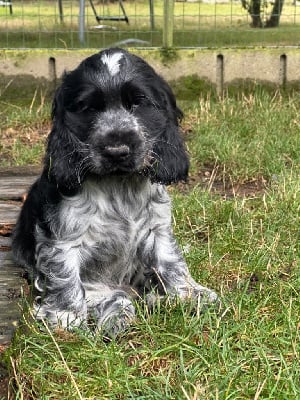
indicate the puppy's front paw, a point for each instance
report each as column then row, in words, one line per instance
column 60, row 318
column 116, row 318
column 202, row 298
column 207, row 296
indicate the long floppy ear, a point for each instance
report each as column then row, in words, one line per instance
column 171, row 163
column 64, row 154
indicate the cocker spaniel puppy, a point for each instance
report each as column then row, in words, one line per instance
column 95, row 230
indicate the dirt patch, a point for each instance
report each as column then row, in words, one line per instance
column 4, row 382
column 246, row 189
column 4, row 377
column 230, row 190
column 27, row 135
column 206, row 180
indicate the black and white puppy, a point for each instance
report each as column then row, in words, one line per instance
column 95, row 230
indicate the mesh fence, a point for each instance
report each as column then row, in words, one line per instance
column 206, row 23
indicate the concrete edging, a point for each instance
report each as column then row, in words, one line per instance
column 218, row 66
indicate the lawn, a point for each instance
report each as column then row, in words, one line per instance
column 237, row 222
column 35, row 24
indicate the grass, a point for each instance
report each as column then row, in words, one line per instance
column 247, row 137
column 245, row 247
column 24, row 122
column 37, row 24
column 23, row 136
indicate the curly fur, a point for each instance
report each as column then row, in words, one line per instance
column 95, row 230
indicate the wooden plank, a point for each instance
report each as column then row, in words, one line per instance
column 5, row 245
column 8, row 213
column 11, row 289
column 12, row 286
column 14, row 182
column 9, row 324
column 10, row 273
column 15, row 187
column 29, row 170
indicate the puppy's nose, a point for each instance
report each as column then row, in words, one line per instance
column 118, row 151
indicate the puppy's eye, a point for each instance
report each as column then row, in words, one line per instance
column 132, row 100
column 77, row 106
column 80, row 106
column 87, row 105
column 97, row 103
column 131, row 96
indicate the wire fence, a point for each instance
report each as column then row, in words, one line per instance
column 75, row 24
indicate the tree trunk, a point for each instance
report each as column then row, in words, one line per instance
column 254, row 11
column 273, row 21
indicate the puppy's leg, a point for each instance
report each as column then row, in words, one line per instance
column 112, row 308
column 62, row 300
column 168, row 271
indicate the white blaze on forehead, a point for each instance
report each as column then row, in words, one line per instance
column 112, row 62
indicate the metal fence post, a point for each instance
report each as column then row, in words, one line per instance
column 151, row 5
column 168, row 26
column 81, row 32
column 61, row 11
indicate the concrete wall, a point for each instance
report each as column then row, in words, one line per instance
column 220, row 67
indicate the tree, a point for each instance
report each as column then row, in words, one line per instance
column 256, row 7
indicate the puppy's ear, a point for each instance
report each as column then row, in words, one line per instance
column 57, row 103
column 64, row 153
column 170, row 159
column 171, row 162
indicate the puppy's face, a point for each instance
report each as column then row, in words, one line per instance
column 118, row 115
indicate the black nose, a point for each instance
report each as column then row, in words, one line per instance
column 118, row 151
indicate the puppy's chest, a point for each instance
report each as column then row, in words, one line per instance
column 114, row 219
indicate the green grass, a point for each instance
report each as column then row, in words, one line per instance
column 246, row 248
column 23, row 133
column 37, row 24
column 247, row 137
column 24, row 121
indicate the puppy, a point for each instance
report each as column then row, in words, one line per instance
column 95, row 230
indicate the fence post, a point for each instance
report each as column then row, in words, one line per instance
column 52, row 72
column 81, row 32
column 168, row 23
column 151, row 5
column 220, row 75
column 283, row 71
column 61, row 11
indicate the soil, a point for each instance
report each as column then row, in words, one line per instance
column 205, row 179
column 4, row 388
column 4, row 378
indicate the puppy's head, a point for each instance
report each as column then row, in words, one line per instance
column 114, row 115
